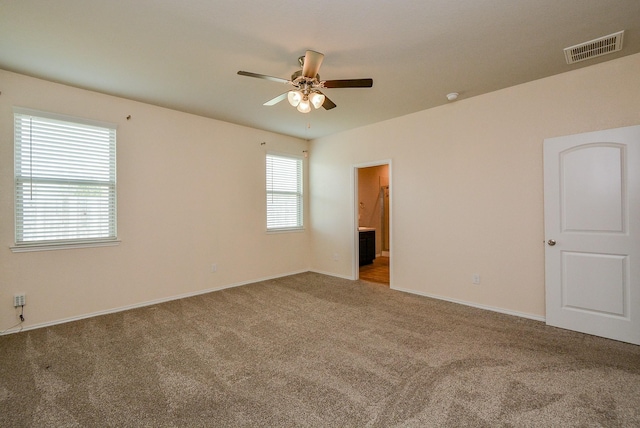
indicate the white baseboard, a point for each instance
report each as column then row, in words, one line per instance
column 18, row 328
column 474, row 305
column 350, row 278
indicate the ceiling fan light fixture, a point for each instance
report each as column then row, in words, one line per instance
column 294, row 98
column 317, row 99
column 304, row 106
column 307, row 84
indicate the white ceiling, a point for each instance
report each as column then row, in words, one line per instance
column 185, row 54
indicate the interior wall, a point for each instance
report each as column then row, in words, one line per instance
column 468, row 184
column 191, row 193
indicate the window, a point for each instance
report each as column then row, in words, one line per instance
column 65, row 180
column 284, row 192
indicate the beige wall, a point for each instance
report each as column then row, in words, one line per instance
column 467, row 185
column 190, row 194
column 466, row 181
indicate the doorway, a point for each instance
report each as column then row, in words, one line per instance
column 373, row 222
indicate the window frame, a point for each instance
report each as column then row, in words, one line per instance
column 299, row 193
column 22, row 245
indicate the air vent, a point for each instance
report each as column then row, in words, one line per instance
column 598, row 47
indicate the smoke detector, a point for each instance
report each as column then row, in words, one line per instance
column 594, row 48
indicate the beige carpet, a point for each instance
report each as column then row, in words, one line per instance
column 311, row 350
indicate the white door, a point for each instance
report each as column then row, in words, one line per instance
column 592, row 233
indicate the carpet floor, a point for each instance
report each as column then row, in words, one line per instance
column 310, row 350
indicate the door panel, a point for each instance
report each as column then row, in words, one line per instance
column 592, row 186
column 603, row 275
column 592, row 229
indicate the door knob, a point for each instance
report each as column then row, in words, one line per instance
column 551, row 242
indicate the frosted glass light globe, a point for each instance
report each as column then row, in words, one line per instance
column 294, row 98
column 316, row 99
column 304, row 106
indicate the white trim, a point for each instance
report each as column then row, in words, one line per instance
column 25, row 248
column 373, row 163
column 19, row 328
column 284, row 230
column 300, row 193
column 473, row 305
column 332, row 274
column 355, row 210
column 64, row 117
column 285, row 154
column 95, row 140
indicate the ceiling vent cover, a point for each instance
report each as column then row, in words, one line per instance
column 598, row 47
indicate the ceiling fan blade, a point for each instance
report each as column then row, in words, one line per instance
column 328, row 104
column 277, row 99
column 348, row 83
column 262, row 76
column 311, row 65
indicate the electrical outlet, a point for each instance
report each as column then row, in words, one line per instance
column 19, row 300
column 476, row 278
column 214, row 267
column 336, row 257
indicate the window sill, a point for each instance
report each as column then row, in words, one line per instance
column 285, row 230
column 24, row 248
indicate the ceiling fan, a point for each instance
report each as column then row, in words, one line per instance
column 307, row 84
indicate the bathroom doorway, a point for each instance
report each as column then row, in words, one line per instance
column 373, row 220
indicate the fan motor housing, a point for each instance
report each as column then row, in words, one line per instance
column 298, row 74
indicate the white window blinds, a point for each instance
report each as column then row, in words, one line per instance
column 65, row 180
column 284, row 192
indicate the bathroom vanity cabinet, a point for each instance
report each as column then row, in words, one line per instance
column 367, row 246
